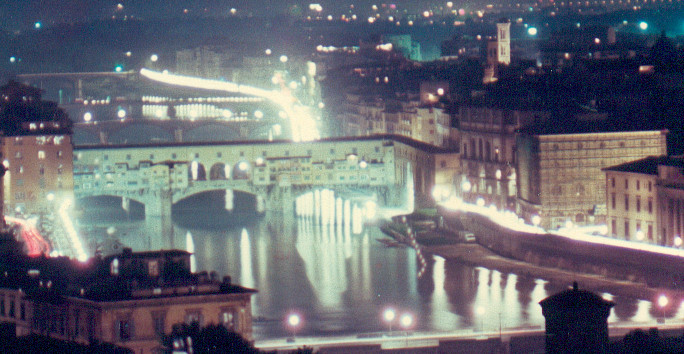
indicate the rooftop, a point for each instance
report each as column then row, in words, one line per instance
column 648, row 165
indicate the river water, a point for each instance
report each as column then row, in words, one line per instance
column 340, row 279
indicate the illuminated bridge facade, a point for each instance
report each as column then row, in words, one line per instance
column 398, row 171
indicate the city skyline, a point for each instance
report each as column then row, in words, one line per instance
column 314, row 179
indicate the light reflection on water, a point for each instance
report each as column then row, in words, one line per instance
column 340, row 281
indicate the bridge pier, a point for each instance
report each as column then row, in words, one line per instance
column 158, row 203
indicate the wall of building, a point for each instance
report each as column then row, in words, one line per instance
column 39, row 172
column 560, row 176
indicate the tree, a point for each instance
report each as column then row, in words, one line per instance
column 210, row 339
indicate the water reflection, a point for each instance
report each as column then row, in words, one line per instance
column 340, row 280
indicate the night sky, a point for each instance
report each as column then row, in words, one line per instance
column 23, row 14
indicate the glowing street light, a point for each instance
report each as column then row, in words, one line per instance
column 87, row 117
column 294, row 321
column 480, row 311
column 154, row 58
column 643, row 25
column 662, row 302
column 532, row 31
column 389, row 315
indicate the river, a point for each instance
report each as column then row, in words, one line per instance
column 340, row 279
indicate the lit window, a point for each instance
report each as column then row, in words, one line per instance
column 114, row 267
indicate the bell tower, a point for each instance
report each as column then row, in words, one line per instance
column 503, row 41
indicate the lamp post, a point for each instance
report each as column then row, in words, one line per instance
column 662, row 302
column 480, row 311
column 389, row 315
column 293, row 321
column 406, row 321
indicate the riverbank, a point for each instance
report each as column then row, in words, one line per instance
column 440, row 243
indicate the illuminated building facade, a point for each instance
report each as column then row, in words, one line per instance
column 425, row 121
column 37, row 151
column 487, row 140
column 559, row 168
column 645, row 200
column 129, row 299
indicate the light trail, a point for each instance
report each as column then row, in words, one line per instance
column 510, row 220
column 71, row 231
column 302, row 124
column 34, row 241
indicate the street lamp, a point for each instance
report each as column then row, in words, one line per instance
column 406, row 321
column 480, row 311
column 293, row 321
column 662, row 302
column 389, row 315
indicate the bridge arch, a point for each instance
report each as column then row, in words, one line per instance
column 211, row 132
column 242, row 170
column 219, row 171
column 83, row 137
column 140, row 134
column 197, row 171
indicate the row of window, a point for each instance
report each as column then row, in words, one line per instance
column 41, row 169
column 613, row 203
column 41, row 154
column 637, row 184
column 125, row 328
column 648, row 236
column 219, row 154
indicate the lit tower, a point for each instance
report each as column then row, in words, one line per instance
column 498, row 50
column 503, row 41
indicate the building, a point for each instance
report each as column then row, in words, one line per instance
column 576, row 322
column 129, row 299
column 559, row 164
column 407, row 116
column 645, row 200
column 488, row 152
column 37, row 151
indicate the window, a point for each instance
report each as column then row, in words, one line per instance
column 626, row 229
column 128, row 156
column 649, row 186
column 638, row 202
column 638, row 184
column 612, row 182
column 332, row 151
column 41, row 155
column 106, row 157
column 612, row 199
column 228, row 319
column 193, row 316
column 22, row 311
column 2, row 305
column 12, row 308
column 17, row 155
column 41, row 170
column 125, row 328
column 626, row 183
column 650, row 206
column 114, row 267
column 159, row 322
column 197, row 155
column 626, row 202
column 650, row 232
column 153, row 268
column 173, row 156
column 613, row 227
